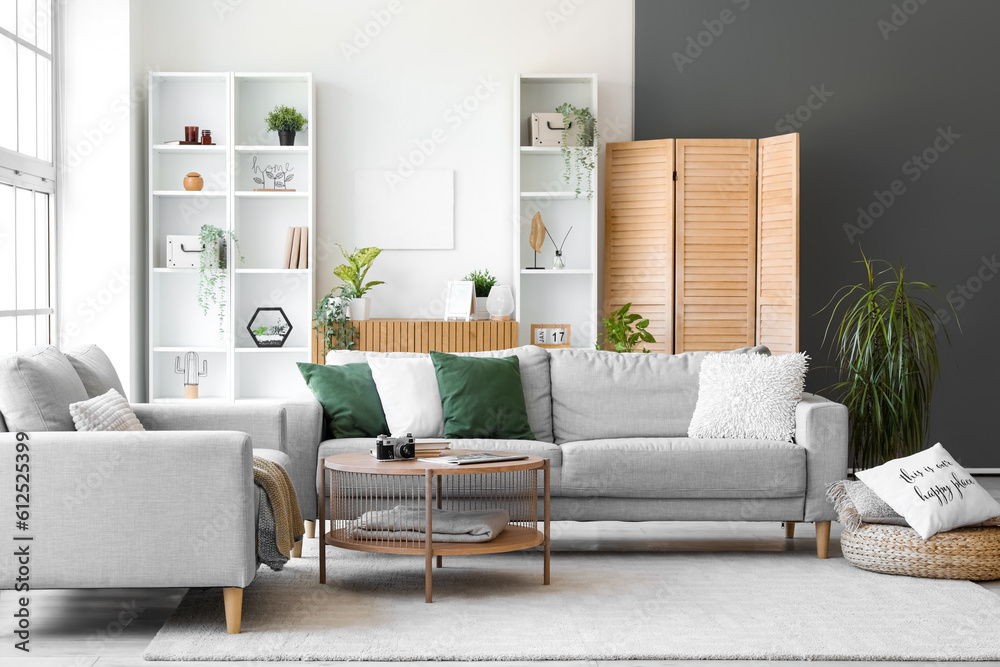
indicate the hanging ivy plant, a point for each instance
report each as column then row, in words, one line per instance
column 212, row 276
column 580, row 160
column 330, row 320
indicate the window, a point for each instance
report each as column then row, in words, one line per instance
column 27, row 173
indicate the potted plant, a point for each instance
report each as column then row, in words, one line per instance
column 212, row 275
column 286, row 121
column 580, row 160
column 353, row 273
column 331, row 322
column 484, row 282
column 885, row 345
column 619, row 332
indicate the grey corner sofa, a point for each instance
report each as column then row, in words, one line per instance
column 614, row 427
column 174, row 506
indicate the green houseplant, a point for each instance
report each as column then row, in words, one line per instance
column 886, row 349
column 286, row 121
column 619, row 331
column 212, row 275
column 484, row 282
column 359, row 262
column 330, row 320
column 580, row 160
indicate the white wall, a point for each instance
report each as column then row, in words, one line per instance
column 379, row 97
column 96, row 293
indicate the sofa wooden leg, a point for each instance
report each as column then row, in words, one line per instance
column 310, row 529
column 233, row 598
column 822, row 539
column 789, row 530
column 297, row 549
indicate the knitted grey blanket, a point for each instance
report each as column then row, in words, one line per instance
column 267, row 543
column 408, row 522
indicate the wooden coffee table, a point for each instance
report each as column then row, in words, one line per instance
column 359, row 483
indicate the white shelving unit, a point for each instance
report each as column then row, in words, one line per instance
column 233, row 106
column 547, row 296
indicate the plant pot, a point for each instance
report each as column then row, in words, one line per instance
column 286, row 137
column 482, row 312
column 360, row 308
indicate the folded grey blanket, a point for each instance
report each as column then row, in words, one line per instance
column 408, row 522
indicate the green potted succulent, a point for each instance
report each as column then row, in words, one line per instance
column 886, row 349
column 484, row 282
column 286, row 121
column 353, row 273
column 619, row 333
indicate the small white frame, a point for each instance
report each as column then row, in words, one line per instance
column 460, row 301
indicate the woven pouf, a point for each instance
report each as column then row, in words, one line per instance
column 963, row 553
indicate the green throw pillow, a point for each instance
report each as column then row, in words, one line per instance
column 482, row 397
column 349, row 399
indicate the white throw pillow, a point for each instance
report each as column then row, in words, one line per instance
column 751, row 396
column 931, row 491
column 107, row 412
column 408, row 389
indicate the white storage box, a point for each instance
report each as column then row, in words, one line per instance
column 547, row 130
column 184, row 252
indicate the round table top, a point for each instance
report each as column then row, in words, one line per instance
column 363, row 462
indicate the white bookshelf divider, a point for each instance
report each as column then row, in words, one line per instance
column 547, row 296
column 233, row 106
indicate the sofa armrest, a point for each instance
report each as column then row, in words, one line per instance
column 821, row 429
column 131, row 509
column 304, row 432
column 264, row 422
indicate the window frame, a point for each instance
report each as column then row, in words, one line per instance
column 36, row 175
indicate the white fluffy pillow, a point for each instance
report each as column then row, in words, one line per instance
column 931, row 491
column 750, row 396
column 107, row 412
column 408, row 389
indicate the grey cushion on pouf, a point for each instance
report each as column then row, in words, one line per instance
column 36, row 388
column 95, row 370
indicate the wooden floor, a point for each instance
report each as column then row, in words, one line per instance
column 84, row 628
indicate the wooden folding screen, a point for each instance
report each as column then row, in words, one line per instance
column 715, row 264
column 778, row 244
column 708, row 250
column 639, row 234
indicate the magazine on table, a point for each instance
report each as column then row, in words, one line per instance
column 475, row 457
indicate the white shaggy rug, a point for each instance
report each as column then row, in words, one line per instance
column 610, row 606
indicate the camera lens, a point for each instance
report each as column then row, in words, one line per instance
column 406, row 450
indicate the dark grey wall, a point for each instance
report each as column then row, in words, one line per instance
column 886, row 96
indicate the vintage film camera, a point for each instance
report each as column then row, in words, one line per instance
column 395, row 449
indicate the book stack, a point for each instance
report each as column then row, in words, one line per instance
column 426, row 449
column 297, row 248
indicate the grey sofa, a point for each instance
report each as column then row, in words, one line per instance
column 615, row 426
column 174, row 506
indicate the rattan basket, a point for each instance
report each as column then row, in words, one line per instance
column 963, row 553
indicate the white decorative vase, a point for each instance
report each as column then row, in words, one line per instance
column 360, row 307
column 482, row 312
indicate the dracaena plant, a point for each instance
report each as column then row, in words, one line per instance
column 886, row 348
column 353, row 273
column 625, row 330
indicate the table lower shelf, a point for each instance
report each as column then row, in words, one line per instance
column 513, row 538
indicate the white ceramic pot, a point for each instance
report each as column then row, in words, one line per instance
column 360, row 308
column 482, row 312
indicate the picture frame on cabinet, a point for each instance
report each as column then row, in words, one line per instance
column 460, row 300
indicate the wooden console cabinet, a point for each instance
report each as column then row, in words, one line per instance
column 397, row 335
